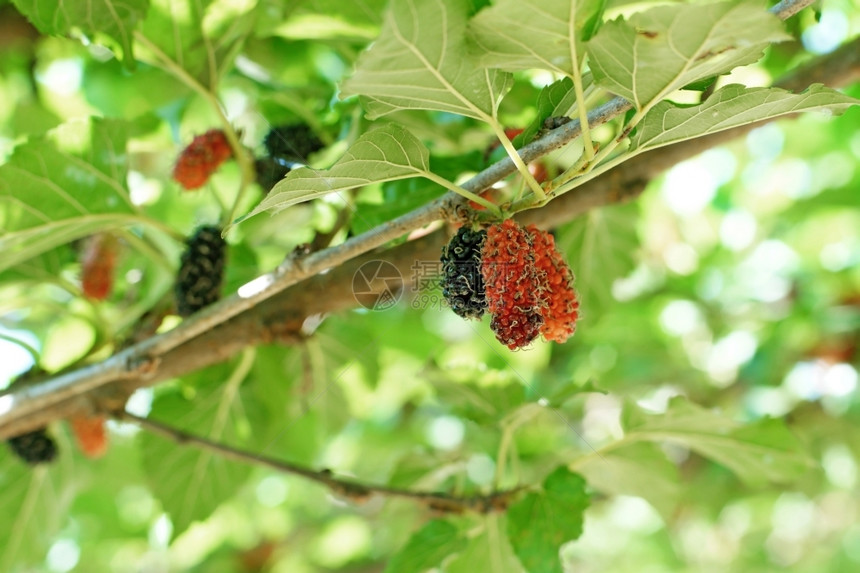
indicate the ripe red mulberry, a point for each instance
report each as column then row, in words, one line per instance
column 201, row 271
column 561, row 308
column 201, row 159
column 512, row 284
column 462, row 282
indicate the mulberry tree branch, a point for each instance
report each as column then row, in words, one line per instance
column 223, row 329
column 353, row 490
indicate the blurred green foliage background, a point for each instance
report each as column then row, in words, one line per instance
column 727, row 297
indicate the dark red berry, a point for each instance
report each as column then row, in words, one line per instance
column 98, row 263
column 512, row 284
column 560, row 310
column 201, row 159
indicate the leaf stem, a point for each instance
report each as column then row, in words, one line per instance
column 518, row 161
column 489, row 205
column 34, row 354
column 577, row 85
column 518, row 419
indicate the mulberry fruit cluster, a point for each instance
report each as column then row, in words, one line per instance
column 521, row 280
column 201, row 271
column 201, row 159
column 462, row 281
column 35, row 447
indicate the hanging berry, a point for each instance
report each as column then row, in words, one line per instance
column 34, row 447
column 512, row 284
column 269, row 171
column 462, row 282
column 561, row 307
column 98, row 263
column 292, row 142
column 201, row 271
column 91, row 435
column 201, row 159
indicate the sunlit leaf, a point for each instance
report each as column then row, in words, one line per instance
column 729, row 107
column 665, row 48
column 32, row 502
column 328, row 19
column 191, row 482
column 427, row 548
column 489, row 550
column 513, row 35
column 115, row 19
column 601, row 246
column 49, row 197
column 639, row 469
column 199, row 36
column 420, row 61
column 759, row 452
column 385, row 154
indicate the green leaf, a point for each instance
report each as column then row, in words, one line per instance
column 556, row 99
column 420, row 61
column 514, row 35
column 639, row 469
column 49, row 197
column 427, row 548
column 488, row 551
column 482, row 396
column 663, row 49
column 114, row 19
column 541, row 522
column 190, row 482
column 385, row 154
column 761, row 452
column 200, row 36
column 329, row 19
column 729, row 107
column 33, row 503
column 601, row 247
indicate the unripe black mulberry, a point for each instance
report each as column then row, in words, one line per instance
column 462, row 282
column 269, row 171
column 201, row 271
column 35, row 447
column 293, row 142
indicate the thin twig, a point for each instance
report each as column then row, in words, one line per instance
column 347, row 488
